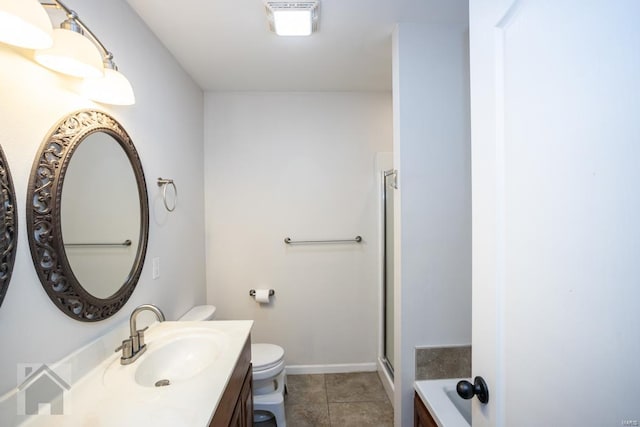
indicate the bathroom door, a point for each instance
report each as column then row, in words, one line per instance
column 555, row 111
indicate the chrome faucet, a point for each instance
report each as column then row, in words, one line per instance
column 134, row 346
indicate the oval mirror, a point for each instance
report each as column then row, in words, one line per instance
column 88, row 215
column 8, row 226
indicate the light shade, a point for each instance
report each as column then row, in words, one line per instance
column 25, row 23
column 292, row 22
column 113, row 88
column 72, row 54
column 292, row 19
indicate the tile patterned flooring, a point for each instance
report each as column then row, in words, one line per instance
column 336, row 400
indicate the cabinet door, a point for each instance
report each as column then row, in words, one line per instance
column 243, row 411
column 236, row 416
column 246, row 400
column 422, row 417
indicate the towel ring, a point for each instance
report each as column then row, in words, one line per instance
column 164, row 183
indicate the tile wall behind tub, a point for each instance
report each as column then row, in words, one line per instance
column 434, row 363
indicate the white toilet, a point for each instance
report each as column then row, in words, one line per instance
column 269, row 374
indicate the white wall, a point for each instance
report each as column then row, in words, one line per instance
column 432, row 154
column 167, row 129
column 300, row 165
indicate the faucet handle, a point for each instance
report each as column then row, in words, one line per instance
column 141, row 336
column 127, row 348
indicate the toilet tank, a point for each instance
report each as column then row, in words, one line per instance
column 199, row 313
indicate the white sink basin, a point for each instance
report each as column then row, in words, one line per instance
column 169, row 361
column 173, row 357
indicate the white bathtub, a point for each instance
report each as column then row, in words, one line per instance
column 441, row 399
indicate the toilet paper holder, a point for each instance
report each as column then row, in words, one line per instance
column 252, row 292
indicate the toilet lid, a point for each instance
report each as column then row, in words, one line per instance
column 199, row 313
column 265, row 356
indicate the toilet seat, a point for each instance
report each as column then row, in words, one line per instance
column 267, row 360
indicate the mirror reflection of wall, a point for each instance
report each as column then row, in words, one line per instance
column 100, row 210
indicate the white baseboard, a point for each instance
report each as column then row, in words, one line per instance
column 331, row 369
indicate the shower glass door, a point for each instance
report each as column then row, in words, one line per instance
column 388, row 337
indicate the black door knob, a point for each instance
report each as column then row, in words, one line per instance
column 479, row 388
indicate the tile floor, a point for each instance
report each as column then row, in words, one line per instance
column 336, row 400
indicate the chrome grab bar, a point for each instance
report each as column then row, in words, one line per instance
column 288, row 241
column 125, row 243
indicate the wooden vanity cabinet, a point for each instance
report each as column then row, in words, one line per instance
column 421, row 415
column 243, row 412
column 236, row 405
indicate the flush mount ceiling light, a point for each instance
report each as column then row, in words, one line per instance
column 73, row 49
column 292, row 18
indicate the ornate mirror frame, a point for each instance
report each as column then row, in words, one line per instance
column 44, row 220
column 8, row 226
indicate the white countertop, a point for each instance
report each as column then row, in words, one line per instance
column 434, row 395
column 96, row 402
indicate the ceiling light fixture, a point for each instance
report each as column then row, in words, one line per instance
column 75, row 49
column 292, row 18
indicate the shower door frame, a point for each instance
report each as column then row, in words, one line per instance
column 385, row 282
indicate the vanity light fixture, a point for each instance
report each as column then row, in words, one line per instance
column 72, row 53
column 292, row 18
column 73, row 49
column 112, row 88
column 24, row 23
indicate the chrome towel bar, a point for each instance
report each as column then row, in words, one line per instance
column 288, row 241
column 125, row 243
